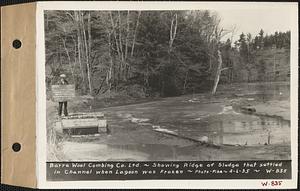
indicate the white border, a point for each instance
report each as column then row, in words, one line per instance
column 190, row 184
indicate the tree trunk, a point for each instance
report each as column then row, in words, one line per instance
column 89, row 52
column 114, row 33
column 127, row 34
column 86, row 54
column 75, row 53
column 218, row 73
column 126, row 45
column 135, row 31
column 122, row 63
column 173, row 31
column 80, row 62
column 185, row 81
column 117, row 44
column 109, row 79
column 120, row 35
column 68, row 55
column 89, row 38
column 60, row 59
column 76, row 14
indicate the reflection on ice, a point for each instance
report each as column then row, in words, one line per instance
column 242, row 129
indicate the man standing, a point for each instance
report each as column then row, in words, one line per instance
column 62, row 104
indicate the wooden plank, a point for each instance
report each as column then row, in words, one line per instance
column 18, row 95
column 62, row 93
column 78, row 123
column 81, row 132
column 84, row 115
column 172, row 133
column 101, row 128
column 82, row 123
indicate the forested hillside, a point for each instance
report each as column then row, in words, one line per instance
column 155, row 53
column 262, row 58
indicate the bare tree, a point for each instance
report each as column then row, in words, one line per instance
column 79, row 48
column 218, row 34
column 135, row 31
column 89, row 49
column 173, row 31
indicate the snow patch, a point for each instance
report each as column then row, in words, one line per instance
column 228, row 110
column 203, row 139
column 193, row 100
column 165, row 131
column 139, row 120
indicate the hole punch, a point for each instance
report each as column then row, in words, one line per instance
column 17, row 44
column 16, row 147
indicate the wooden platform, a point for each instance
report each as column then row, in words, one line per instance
column 82, row 123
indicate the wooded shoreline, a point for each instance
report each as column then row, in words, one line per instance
column 158, row 53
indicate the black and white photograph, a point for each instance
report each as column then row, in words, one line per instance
column 168, row 85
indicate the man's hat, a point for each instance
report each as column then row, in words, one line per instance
column 63, row 75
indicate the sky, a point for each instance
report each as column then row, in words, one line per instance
column 252, row 20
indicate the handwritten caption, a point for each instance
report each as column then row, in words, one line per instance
column 273, row 183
